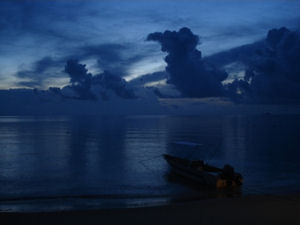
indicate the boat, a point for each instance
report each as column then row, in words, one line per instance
column 204, row 174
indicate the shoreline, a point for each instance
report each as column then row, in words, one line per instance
column 252, row 209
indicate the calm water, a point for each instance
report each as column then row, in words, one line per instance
column 52, row 163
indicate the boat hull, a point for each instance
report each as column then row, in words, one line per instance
column 201, row 177
column 204, row 175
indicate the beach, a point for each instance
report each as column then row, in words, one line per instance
column 264, row 209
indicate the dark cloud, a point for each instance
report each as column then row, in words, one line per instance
column 191, row 76
column 78, row 73
column 66, row 34
column 107, row 80
column 244, row 54
column 80, row 79
column 110, row 57
column 87, row 86
column 271, row 67
column 274, row 74
column 45, row 63
column 41, row 70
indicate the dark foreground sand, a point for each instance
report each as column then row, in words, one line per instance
column 250, row 210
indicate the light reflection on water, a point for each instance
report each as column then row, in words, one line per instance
column 119, row 158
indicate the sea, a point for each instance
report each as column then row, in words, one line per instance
column 53, row 163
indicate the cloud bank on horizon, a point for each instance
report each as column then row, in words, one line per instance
column 271, row 72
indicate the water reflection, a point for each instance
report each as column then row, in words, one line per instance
column 59, row 156
column 233, row 147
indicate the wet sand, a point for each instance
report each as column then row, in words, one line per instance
column 268, row 209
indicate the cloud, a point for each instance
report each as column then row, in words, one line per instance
column 78, row 73
column 186, row 69
column 40, row 73
column 157, row 83
column 41, row 70
column 274, row 74
column 147, row 78
column 47, row 103
column 244, row 54
column 87, row 86
column 80, row 79
column 107, row 80
column 114, row 57
column 82, row 34
column 101, row 30
column 270, row 68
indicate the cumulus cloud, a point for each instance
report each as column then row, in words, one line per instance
column 274, row 74
column 118, row 85
column 270, row 67
column 87, row 86
column 80, row 79
column 186, row 69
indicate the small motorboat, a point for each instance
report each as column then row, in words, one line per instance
column 204, row 174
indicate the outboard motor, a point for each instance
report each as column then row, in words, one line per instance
column 228, row 172
column 230, row 176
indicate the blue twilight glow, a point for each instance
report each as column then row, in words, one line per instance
column 37, row 37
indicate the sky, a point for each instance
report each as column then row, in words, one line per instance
column 114, row 33
column 126, row 39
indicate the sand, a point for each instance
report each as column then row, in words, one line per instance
column 252, row 210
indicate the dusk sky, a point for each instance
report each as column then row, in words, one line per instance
column 38, row 38
column 114, row 32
